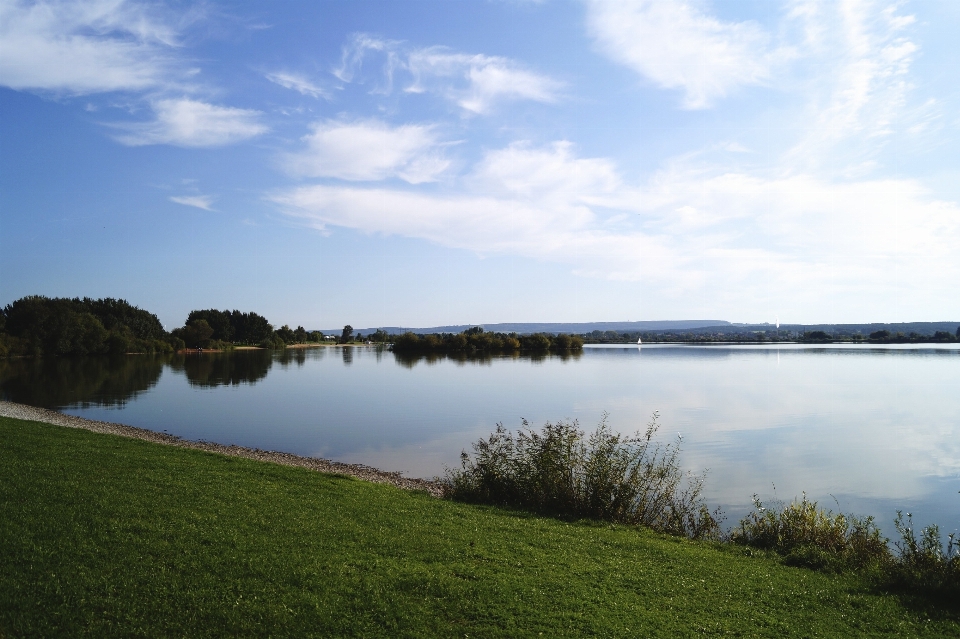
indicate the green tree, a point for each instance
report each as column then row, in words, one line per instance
column 114, row 314
column 196, row 334
column 250, row 328
column 300, row 335
column 218, row 321
column 286, row 334
column 347, row 334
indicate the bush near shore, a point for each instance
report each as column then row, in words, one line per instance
column 105, row 536
column 562, row 471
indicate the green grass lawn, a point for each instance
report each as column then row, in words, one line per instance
column 107, row 536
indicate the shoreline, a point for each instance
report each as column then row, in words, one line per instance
column 357, row 471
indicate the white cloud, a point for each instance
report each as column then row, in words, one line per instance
column 551, row 173
column 192, row 123
column 678, row 46
column 297, row 83
column 84, row 47
column 520, row 200
column 859, row 96
column 720, row 239
column 370, row 150
column 475, row 82
column 204, row 202
column 103, row 46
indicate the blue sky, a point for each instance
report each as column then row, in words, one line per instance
column 428, row 163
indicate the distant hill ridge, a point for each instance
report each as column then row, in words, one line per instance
column 550, row 327
column 666, row 326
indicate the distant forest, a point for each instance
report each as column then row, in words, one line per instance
column 41, row 326
column 476, row 341
column 54, row 327
column 735, row 334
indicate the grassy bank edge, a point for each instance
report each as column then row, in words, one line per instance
column 111, row 536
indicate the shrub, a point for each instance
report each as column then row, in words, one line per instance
column 560, row 471
column 273, row 343
column 923, row 564
column 808, row 535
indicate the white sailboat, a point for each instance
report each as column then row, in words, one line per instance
column 639, row 341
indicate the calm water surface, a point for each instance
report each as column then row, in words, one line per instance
column 871, row 429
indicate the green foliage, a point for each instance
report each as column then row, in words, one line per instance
column 38, row 325
column 196, row 334
column 808, row 535
column 114, row 314
column 286, row 335
column 816, row 336
column 218, row 321
column 347, row 334
column 560, row 471
column 273, row 342
column 234, row 326
column 535, row 342
column 476, row 341
column 111, row 537
column 923, row 564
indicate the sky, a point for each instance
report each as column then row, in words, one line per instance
column 433, row 163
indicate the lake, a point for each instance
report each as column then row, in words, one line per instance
column 862, row 429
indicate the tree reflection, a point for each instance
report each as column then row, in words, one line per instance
column 409, row 360
column 79, row 382
column 224, row 369
column 291, row 355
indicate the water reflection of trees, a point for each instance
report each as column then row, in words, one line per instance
column 78, row 381
column 224, row 369
column 409, row 360
column 292, row 356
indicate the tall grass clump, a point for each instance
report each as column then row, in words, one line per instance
column 808, row 535
column 561, row 471
column 923, row 563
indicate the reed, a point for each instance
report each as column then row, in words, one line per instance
column 808, row 535
column 563, row 472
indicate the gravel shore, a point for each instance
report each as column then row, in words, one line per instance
column 359, row 471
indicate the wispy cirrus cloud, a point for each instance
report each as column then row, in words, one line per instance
column 677, row 45
column 860, row 98
column 477, row 83
column 192, row 123
column 370, row 150
column 204, row 202
column 299, row 83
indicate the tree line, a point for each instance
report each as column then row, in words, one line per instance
column 39, row 326
column 43, row 326
column 222, row 330
column 771, row 336
column 477, row 341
